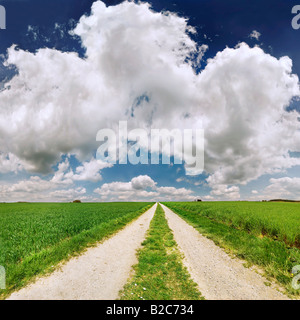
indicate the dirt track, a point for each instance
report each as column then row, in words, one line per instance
column 218, row 276
column 99, row 274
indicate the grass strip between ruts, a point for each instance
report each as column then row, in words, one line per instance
column 160, row 274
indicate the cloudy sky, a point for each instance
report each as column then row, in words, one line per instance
column 69, row 68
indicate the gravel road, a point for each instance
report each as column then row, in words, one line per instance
column 99, row 274
column 218, row 276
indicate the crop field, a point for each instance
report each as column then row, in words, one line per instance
column 279, row 221
column 35, row 237
column 266, row 234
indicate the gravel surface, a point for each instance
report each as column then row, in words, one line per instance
column 218, row 276
column 99, row 274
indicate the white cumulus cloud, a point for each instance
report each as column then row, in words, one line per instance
column 142, row 188
column 140, row 66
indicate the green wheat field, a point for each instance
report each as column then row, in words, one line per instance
column 36, row 237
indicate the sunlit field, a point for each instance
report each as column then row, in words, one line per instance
column 280, row 221
column 35, row 237
column 265, row 234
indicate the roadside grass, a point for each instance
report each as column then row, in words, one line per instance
column 45, row 260
column 160, row 274
column 277, row 220
column 275, row 257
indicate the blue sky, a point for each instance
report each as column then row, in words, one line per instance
column 231, row 66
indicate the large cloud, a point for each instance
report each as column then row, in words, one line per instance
column 249, row 132
column 58, row 101
column 139, row 66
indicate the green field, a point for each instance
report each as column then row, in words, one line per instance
column 279, row 221
column 36, row 237
column 264, row 234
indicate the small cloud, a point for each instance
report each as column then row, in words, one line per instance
column 208, row 198
column 136, row 189
column 255, row 35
